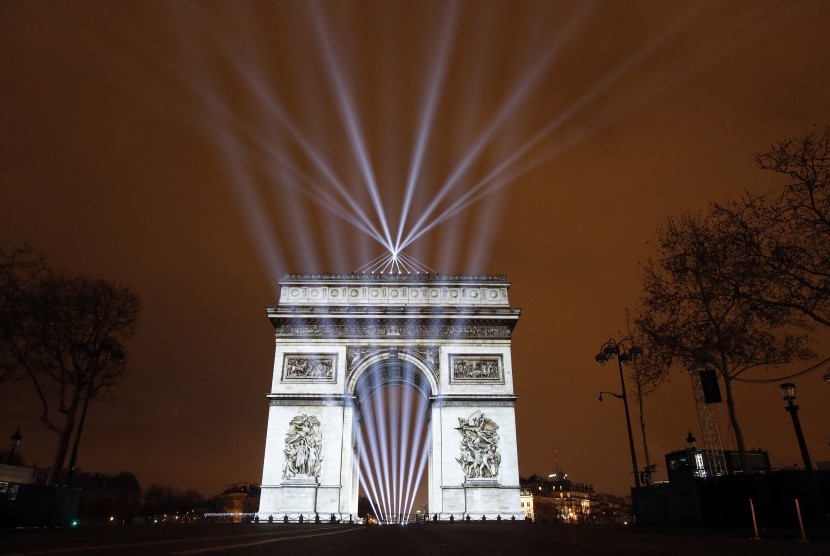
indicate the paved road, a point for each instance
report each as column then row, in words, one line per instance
column 431, row 539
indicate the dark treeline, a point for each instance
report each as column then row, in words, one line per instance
column 120, row 499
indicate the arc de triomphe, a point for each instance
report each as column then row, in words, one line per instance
column 339, row 336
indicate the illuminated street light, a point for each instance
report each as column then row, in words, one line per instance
column 625, row 351
column 788, row 393
column 16, row 438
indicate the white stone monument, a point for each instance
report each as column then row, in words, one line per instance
column 338, row 337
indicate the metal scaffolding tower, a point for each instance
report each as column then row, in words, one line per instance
column 706, row 414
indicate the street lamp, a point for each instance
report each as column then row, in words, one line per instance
column 16, row 438
column 788, row 392
column 625, row 351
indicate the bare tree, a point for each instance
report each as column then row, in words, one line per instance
column 649, row 370
column 787, row 236
column 68, row 340
column 693, row 310
column 19, row 269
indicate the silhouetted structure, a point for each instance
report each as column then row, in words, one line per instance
column 695, row 498
column 692, row 462
column 108, row 498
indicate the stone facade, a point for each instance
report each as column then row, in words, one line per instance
column 336, row 334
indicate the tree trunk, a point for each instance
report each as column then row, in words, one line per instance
column 63, row 447
column 733, row 421
column 642, row 417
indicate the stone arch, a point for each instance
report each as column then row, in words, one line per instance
column 391, row 366
column 340, row 337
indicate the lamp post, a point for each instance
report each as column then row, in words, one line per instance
column 16, row 438
column 625, row 351
column 788, row 392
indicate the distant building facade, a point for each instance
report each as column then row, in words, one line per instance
column 558, row 499
column 240, row 500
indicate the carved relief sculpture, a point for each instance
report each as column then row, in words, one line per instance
column 480, row 457
column 303, row 447
column 309, row 367
column 477, row 368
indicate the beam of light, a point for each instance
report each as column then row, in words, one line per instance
column 372, row 493
column 348, row 113
column 338, row 242
column 267, row 100
column 406, row 394
column 367, row 432
column 413, row 264
column 287, row 174
column 237, row 155
column 611, row 78
column 368, row 467
column 380, row 410
column 406, row 441
column 369, row 267
column 363, row 481
column 416, row 440
column 419, row 474
column 397, row 263
column 276, row 157
column 114, row 71
column 507, row 109
column 453, row 241
column 377, row 439
column 258, row 223
column 369, row 428
column 413, row 170
column 427, row 118
column 395, row 441
column 238, row 164
column 485, row 227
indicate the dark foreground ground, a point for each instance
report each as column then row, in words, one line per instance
column 520, row 539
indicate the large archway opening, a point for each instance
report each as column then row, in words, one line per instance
column 393, row 438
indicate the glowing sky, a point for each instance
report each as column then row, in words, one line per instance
column 198, row 151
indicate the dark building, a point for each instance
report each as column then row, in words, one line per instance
column 694, row 496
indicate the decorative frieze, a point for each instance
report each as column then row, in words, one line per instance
column 473, row 369
column 307, row 367
column 460, row 295
column 358, row 330
column 303, row 448
column 480, row 458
